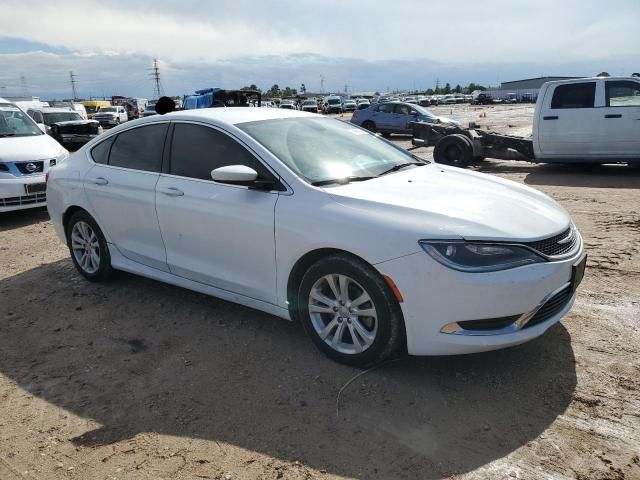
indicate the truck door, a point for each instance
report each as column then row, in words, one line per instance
column 568, row 121
column 620, row 118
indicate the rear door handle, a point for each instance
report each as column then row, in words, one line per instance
column 100, row 181
column 172, row 191
column 550, row 118
column 617, row 115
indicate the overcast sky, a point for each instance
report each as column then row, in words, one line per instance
column 367, row 45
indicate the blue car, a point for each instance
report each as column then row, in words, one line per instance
column 395, row 117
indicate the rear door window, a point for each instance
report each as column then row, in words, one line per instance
column 386, row 108
column 100, row 153
column 574, row 95
column 622, row 93
column 139, row 148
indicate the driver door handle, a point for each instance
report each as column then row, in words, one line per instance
column 172, row 191
column 100, row 181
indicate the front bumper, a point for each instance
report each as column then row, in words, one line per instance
column 107, row 122
column 437, row 298
column 14, row 196
column 75, row 139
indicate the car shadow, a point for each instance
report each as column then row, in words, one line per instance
column 22, row 218
column 140, row 356
column 579, row 175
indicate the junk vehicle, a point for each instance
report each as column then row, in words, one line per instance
column 112, row 116
column 65, row 125
column 93, row 106
column 588, row 120
column 218, row 97
column 133, row 106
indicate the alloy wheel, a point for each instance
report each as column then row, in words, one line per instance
column 343, row 314
column 85, row 247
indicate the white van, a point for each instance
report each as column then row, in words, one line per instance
column 26, row 154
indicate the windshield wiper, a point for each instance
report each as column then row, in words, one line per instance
column 400, row 166
column 340, row 181
column 7, row 134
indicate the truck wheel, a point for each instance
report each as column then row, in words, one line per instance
column 454, row 150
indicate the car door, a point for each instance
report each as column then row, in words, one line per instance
column 620, row 118
column 568, row 121
column 120, row 188
column 383, row 117
column 216, row 233
column 403, row 114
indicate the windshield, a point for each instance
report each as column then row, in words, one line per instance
column 107, row 109
column 55, row 117
column 310, row 102
column 321, row 149
column 333, row 101
column 15, row 123
column 422, row 111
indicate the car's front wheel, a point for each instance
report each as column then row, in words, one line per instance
column 349, row 311
column 88, row 247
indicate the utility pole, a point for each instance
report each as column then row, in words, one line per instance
column 158, row 91
column 321, row 83
column 23, row 83
column 74, row 91
column 346, row 88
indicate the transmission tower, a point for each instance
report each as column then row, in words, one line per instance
column 321, row 83
column 158, row 91
column 23, row 84
column 74, row 91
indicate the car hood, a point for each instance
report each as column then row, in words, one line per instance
column 440, row 202
column 105, row 114
column 20, row 149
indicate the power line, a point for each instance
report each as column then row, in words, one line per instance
column 74, row 91
column 158, row 91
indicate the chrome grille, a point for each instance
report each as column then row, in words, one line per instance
column 557, row 245
column 29, row 168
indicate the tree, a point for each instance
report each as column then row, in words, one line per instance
column 289, row 92
column 458, row 89
column 274, row 91
column 303, row 89
column 253, row 87
column 447, row 89
column 429, row 91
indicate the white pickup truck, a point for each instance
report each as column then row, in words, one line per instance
column 587, row 120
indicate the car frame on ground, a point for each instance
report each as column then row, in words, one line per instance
column 313, row 219
column 585, row 120
column 26, row 154
column 395, row 117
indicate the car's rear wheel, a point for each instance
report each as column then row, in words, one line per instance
column 349, row 311
column 455, row 150
column 369, row 125
column 88, row 247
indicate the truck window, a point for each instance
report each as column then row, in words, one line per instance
column 622, row 93
column 574, row 95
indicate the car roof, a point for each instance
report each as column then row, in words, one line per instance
column 235, row 115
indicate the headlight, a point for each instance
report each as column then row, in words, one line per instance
column 479, row 257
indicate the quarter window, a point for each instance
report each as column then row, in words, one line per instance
column 196, row 150
column 100, row 153
column 140, row 148
column 574, row 95
column 622, row 93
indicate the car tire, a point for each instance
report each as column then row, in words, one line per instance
column 454, row 150
column 337, row 325
column 369, row 125
column 88, row 248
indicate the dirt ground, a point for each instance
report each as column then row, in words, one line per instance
column 137, row 379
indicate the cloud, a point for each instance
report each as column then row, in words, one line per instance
column 366, row 45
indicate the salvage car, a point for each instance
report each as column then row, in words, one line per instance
column 396, row 117
column 349, row 106
column 111, row 116
column 26, row 154
column 66, row 126
column 332, row 105
column 313, row 219
column 310, row 106
column 586, row 120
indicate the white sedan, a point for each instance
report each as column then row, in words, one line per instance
column 316, row 220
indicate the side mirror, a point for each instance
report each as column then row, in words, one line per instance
column 234, row 174
column 42, row 127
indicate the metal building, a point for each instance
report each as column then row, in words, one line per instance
column 524, row 90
